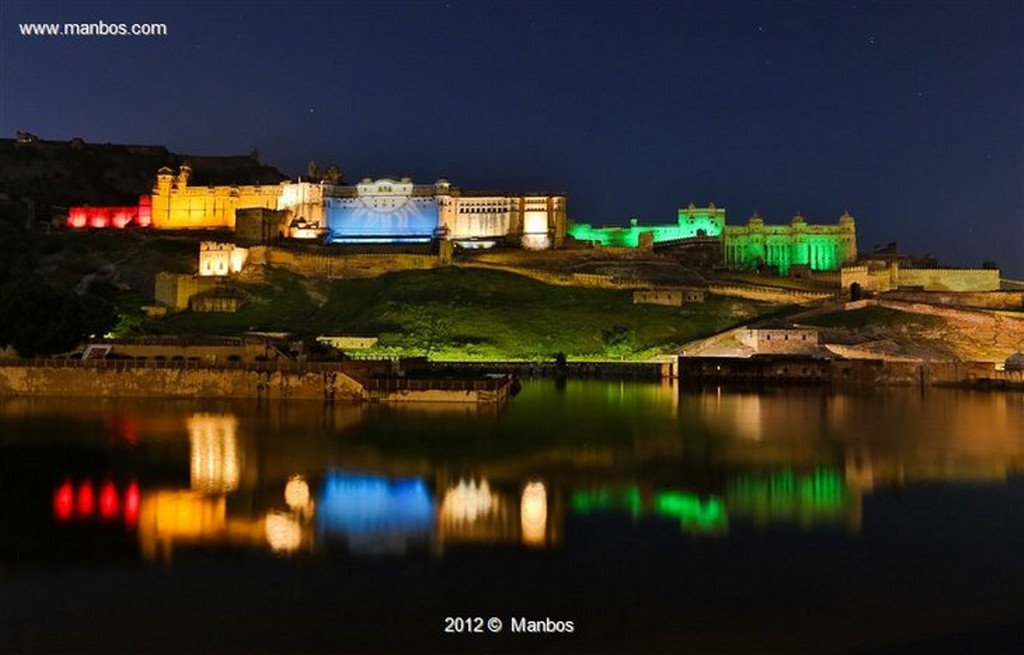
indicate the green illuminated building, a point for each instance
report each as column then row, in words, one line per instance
column 818, row 247
column 692, row 222
column 754, row 245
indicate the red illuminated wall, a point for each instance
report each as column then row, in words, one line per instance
column 118, row 217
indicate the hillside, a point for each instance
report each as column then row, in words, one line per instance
column 939, row 334
column 64, row 174
column 467, row 314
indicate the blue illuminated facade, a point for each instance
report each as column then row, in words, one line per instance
column 397, row 211
column 381, row 220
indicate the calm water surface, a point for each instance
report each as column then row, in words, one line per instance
column 654, row 520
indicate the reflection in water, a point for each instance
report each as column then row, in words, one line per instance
column 284, row 533
column 296, row 496
column 375, row 515
column 533, row 511
column 391, row 482
column 167, row 517
column 807, row 498
column 82, row 505
column 215, row 458
column 468, row 502
column 696, row 515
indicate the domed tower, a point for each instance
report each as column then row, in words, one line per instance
column 161, row 200
column 164, row 181
column 848, row 234
column 800, row 249
column 184, row 175
column 754, row 253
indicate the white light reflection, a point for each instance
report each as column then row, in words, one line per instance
column 467, row 501
column 533, row 514
column 216, row 461
column 284, row 534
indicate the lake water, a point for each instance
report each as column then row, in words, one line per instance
column 652, row 520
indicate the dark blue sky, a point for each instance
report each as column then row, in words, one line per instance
column 910, row 115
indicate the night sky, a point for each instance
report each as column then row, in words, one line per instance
column 909, row 115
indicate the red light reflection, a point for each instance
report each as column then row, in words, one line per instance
column 131, row 505
column 86, row 500
column 81, row 504
column 64, row 502
column 108, row 500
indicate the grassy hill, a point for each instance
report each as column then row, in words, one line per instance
column 465, row 314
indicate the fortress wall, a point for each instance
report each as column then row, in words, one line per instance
column 169, row 382
column 951, row 279
column 1005, row 300
column 592, row 280
column 769, row 295
column 856, row 372
column 339, row 265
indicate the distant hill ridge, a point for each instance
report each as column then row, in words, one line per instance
column 68, row 173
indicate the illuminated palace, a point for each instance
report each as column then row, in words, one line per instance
column 398, row 211
column 818, row 247
column 372, row 211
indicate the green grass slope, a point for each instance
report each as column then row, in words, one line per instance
column 470, row 314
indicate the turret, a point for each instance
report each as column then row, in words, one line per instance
column 184, row 175
column 164, row 180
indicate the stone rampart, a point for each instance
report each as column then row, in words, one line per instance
column 769, row 294
column 337, row 265
column 856, row 372
column 116, row 379
column 949, row 279
column 565, row 279
column 927, row 279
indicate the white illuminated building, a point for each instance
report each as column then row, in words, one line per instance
column 220, row 259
